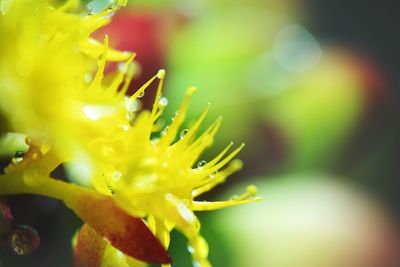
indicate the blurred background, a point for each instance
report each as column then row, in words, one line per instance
column 311, row 87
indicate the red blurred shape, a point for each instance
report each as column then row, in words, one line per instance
column 373, row 80
column 5, row 211
column 128, row 234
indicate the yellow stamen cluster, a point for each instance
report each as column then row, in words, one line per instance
column 48, row 93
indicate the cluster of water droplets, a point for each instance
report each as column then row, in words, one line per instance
column 174, row 116
column 165, row 130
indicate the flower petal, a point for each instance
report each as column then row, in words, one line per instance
column 128, row 234
column 89, row 249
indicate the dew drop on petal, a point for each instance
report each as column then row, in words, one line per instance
column 201, row 164
column 165, row 131
column 111, row 190
column 132, row 105
column 185, row 213
column 116, row 175
column 161, row 74
column 122, row 68
column 174, row 116
column 91, row 112
column 155, row 141
column 24, row 240
column 19, row 154
column 183, row 133
column 18, row 157
column 131, row 116
column 163, row 102
column 190, row 249
column 16, row 161
column 5, row 6
column 212, row 175
column 141, row 94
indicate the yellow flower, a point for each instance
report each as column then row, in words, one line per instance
column 48, row 93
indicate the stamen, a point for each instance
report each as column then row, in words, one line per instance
column 177, row 122
column 142, row 89
column 112, row 89
column 96, row 83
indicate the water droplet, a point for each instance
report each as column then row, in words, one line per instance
column 141, row 94
column 169, row 197
column 201, row 164
column 183, row 133
column 110, row 189
column 19, row 154
column 116, row 175
column 185, row 212
column 174, row 116
column 132, row 105
column 190, row 249
column 88, row 77
column 17, row 161
column 163, row 102
column 155, row 141
column 165, row 131
column 131, row 116
column 234, row 197
column 122, row 68
column 5, row 6
column 161, row 74
column 92, row 112
column 24, row 240
column 212, row 175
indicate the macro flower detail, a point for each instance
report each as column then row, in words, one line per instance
column 131, row 181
